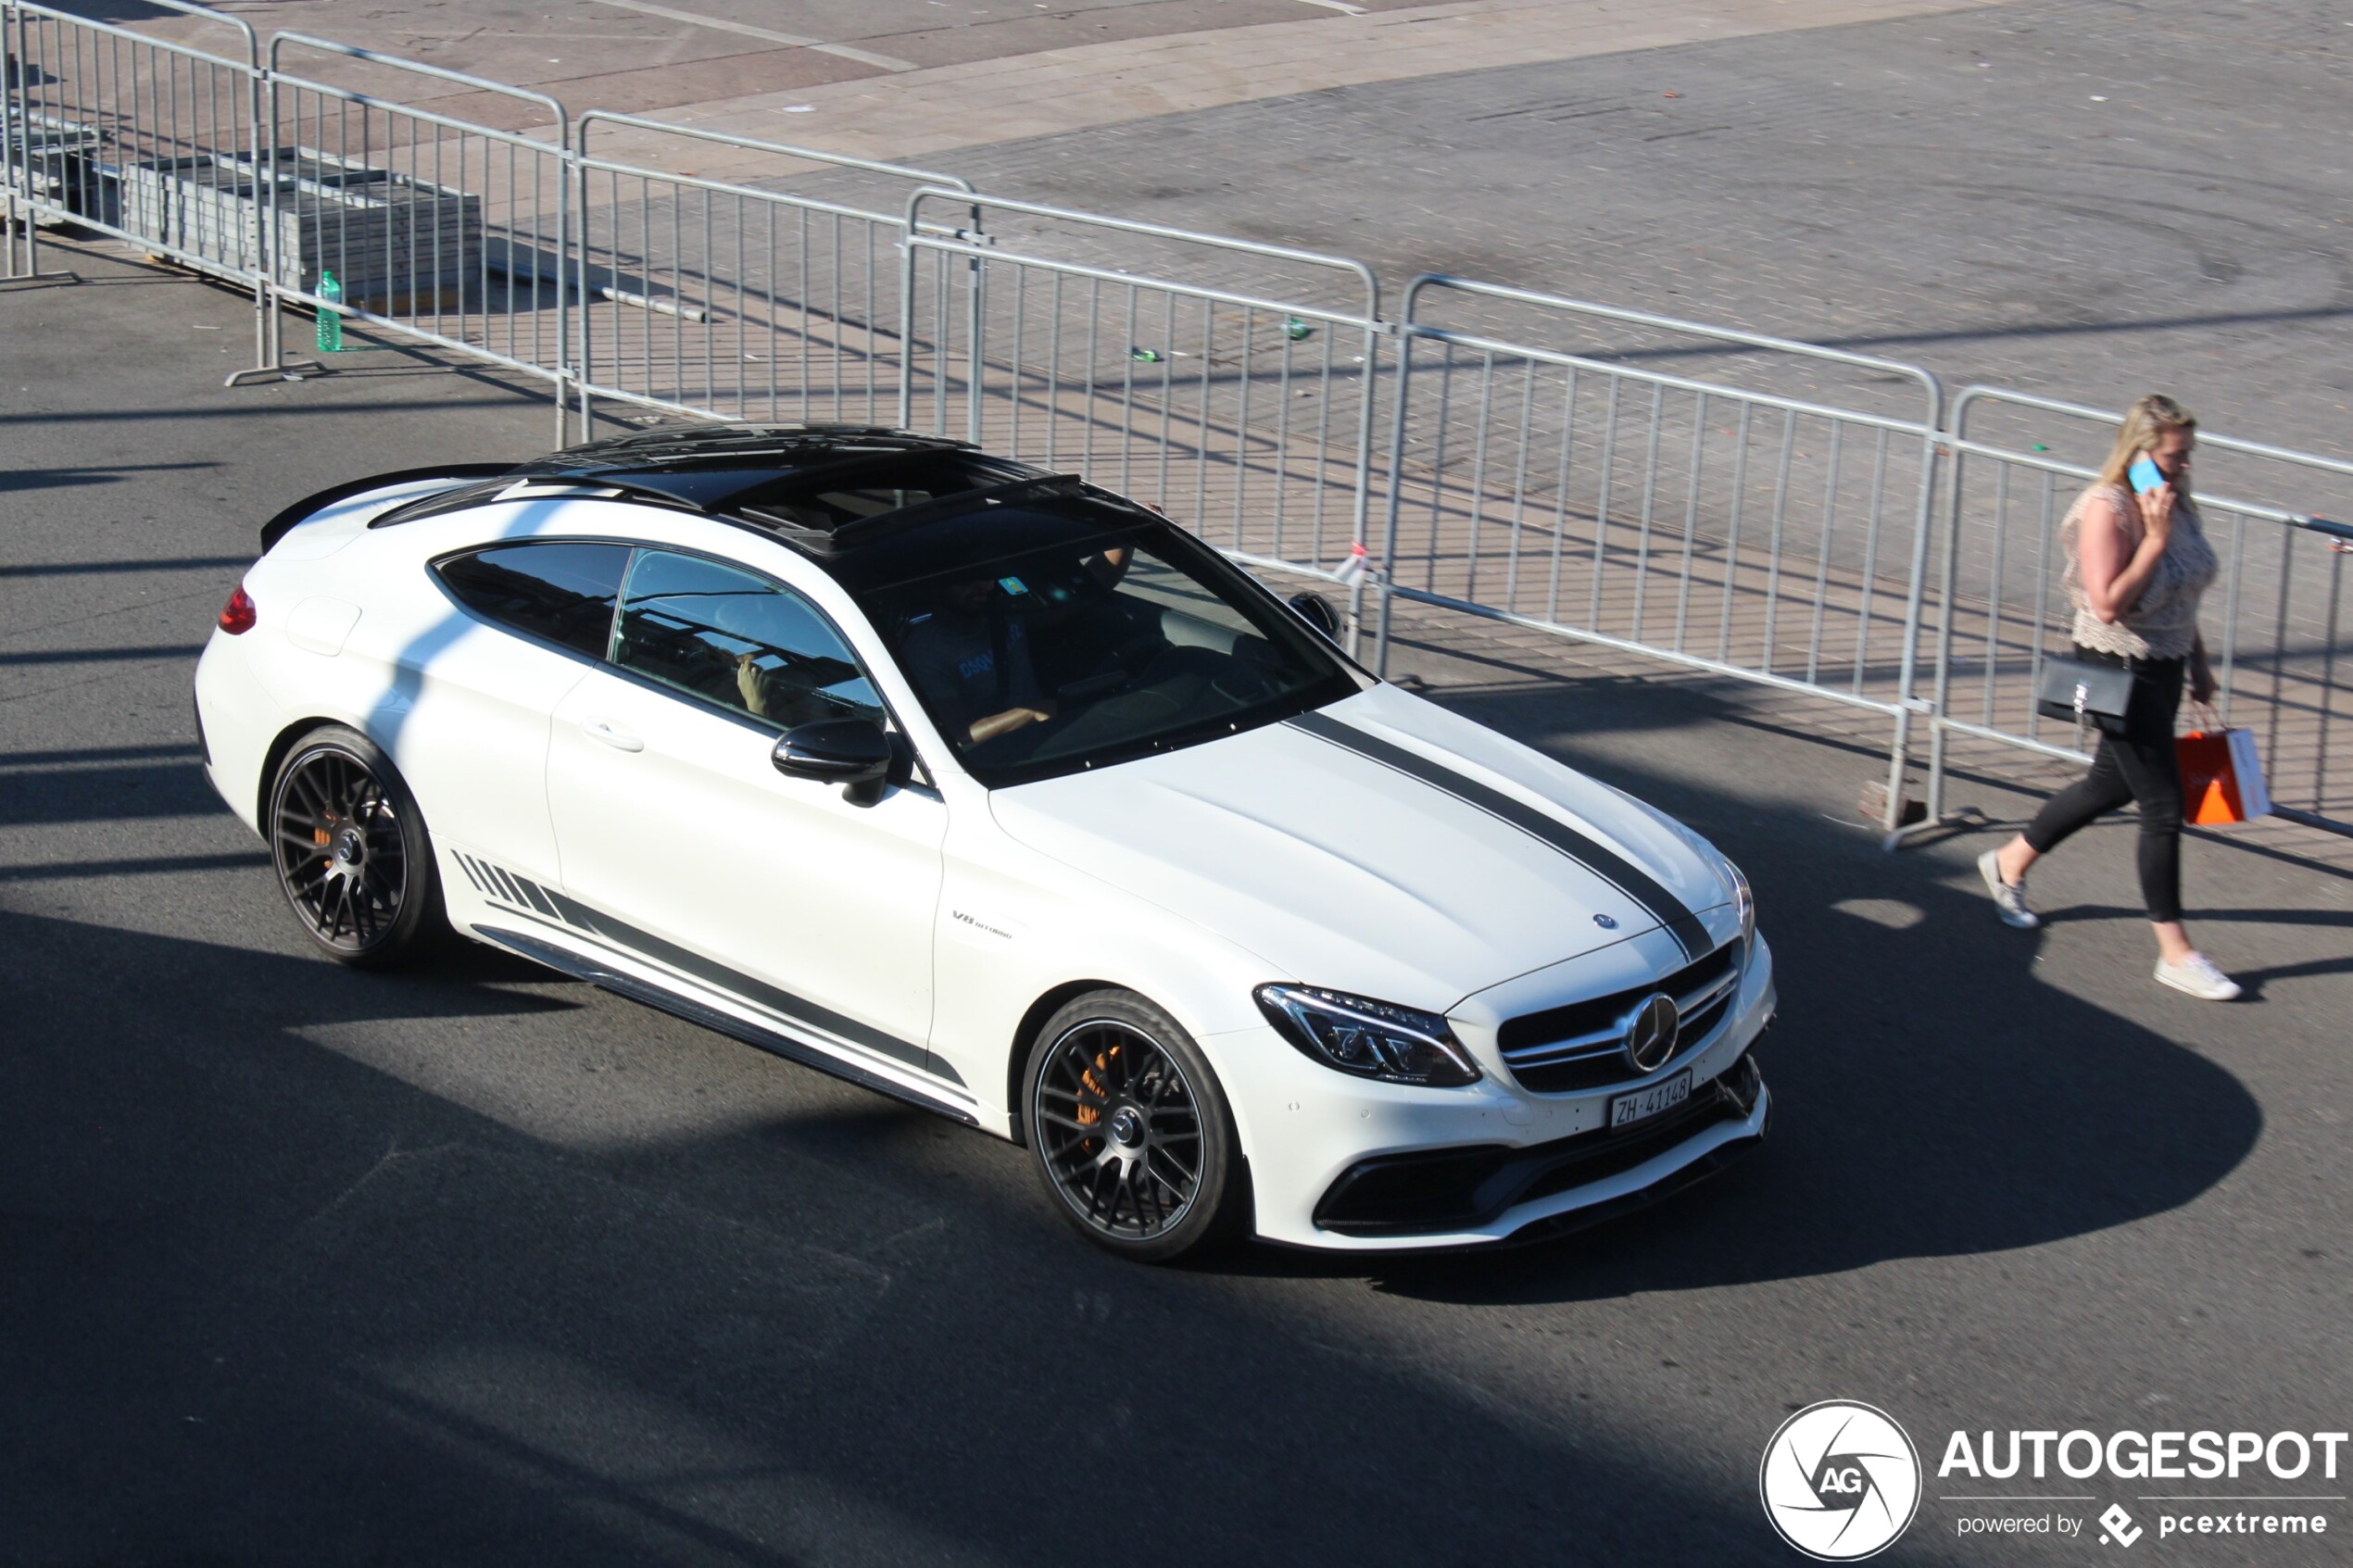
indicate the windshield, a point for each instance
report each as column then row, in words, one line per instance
column 1089, row 636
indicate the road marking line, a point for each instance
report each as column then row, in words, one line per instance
column 843, row 51
column 1341, row 6
column 1080, row 87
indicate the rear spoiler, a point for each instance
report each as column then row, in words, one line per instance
column 309, row 507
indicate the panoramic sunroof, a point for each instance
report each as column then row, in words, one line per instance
column 801, row 488
column 836, row 496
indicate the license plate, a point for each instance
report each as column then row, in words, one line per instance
column 1641, row 1105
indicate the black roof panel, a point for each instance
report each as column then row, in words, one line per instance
column 739, row 446
column 825, row 489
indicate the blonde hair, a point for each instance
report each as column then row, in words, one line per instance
column 2145, row 423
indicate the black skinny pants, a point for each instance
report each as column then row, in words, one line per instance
column 2139, row 765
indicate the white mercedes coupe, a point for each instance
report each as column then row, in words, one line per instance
column 997, row 793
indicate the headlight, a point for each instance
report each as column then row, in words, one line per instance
column 1368, row 1038
column 1745, row 900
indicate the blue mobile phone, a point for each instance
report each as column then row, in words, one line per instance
column 2144, row 474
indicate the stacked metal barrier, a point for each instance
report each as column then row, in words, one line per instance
column 1737, row 505
column 87, row 100
column 461, row 244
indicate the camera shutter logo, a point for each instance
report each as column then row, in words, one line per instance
column 1840, row 1481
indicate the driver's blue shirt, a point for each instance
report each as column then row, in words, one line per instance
column 952, row 660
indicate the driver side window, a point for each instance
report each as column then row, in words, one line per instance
column 736, row 640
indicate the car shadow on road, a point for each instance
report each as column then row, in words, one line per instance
column 293, row 1306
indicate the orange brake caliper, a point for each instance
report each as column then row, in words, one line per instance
column 1089, row 1115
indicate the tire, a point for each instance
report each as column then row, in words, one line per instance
column 351, row 852
column 1131, row 1132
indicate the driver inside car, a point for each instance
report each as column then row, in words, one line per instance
column 769, row 693
column 972, row 648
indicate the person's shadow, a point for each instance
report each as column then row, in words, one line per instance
column 2251, row 980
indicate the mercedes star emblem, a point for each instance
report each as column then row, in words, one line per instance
column 1650, row 1034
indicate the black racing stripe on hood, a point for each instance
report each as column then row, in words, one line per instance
column 1602, row 861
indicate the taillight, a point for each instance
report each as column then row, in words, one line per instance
column 237, row 615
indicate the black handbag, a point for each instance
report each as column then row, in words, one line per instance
column 2084, row 692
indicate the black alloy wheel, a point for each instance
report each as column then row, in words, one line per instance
column 350, row 850
column 1129, row 1131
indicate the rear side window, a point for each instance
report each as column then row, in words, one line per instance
column 562, row 592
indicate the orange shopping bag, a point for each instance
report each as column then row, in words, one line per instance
column 2222, row 777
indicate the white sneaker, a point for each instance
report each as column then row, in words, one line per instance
column 2198, row 976
column 2009, row 898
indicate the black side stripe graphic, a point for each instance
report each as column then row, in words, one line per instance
column 530, row 890
column 529, row 895
column 778, row 1001
column 598, row 973
column 472, row 875
column 1599, row 859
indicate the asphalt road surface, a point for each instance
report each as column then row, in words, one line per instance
column 480, row 1265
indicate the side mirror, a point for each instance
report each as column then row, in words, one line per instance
column 853, row 753
column 1317, row 612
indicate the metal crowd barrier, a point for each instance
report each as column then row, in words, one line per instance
column 1751, row 524
column 134, row 137
column 2273, row 622
column 715, row 299
column 1766, row 537
column 433, row 227
column 1120, row 350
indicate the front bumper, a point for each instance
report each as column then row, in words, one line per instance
column 1500, row 1194
column 1338, row 1163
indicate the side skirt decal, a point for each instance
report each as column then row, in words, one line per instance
column 583, row 967
column 531, row 898
column 1602, row 861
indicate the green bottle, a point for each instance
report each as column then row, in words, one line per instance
column 330, row 319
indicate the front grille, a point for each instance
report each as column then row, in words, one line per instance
column 1579, row 1046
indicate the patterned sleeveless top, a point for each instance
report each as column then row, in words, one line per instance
column 2163, row 622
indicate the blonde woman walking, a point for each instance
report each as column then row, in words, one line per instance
column 2137, row 562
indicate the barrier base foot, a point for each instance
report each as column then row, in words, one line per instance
column 293, row 370
column 1912, row 834
column 1873, row 807
column 38, row 280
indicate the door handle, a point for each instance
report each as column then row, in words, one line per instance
column 612, row 735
